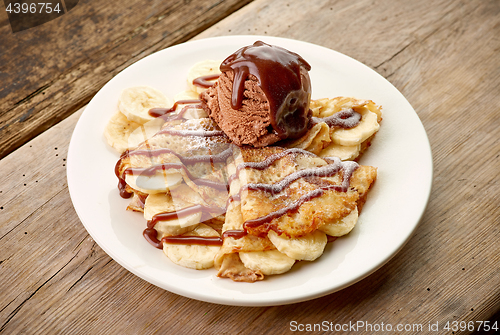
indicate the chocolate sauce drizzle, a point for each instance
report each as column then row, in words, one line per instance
column 142, row 199
column 278, row 72
column 150, row 232
column 151, row 235
column 323, row 171
column 200, row 240
column 164, row 112
column 220, row 157
column 181, row 213
column 267, row 162
column 234, row 197
column 122, row 188
column 234, row 233
column 344, row 119
column 199, row 133
column 151, row 171
column 204, row 81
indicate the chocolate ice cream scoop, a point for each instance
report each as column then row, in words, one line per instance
column 262, row 95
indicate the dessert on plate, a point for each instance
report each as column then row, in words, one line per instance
column 244, row 172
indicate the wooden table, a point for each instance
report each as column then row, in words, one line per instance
column 444, row 56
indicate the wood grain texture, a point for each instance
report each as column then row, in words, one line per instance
column 442, row 55
column 50, row 71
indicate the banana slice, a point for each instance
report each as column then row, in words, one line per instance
column 201, row 69
column 144, row 132
column 118, row 131
column 344, row 152
column 193, row 256
column 367, row 127
column 191, row 113
column 161, row 182
column 175, row 228
column 270, row 262
column 160, row 203
column 158, row 183
column 135, row 102
column 342, row 226
column 308, row 247
column 317, row 138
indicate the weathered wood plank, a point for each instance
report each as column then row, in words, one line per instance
column 49, row 72
column 442, row 55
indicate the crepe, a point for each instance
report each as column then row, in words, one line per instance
column 191, row 152
column 285, row 200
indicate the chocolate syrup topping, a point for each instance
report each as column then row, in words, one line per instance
column 200, row 133
column 324, row 171
column 151, row 171
column 235, row 233
column 289, row 209
column 199, row 240
column 234, row 197
column 267, row 162
column 122, row 188
column 203, row 240
column 221, row 157
column 161, row 112
column 344, row 119
column 181, row 213
column 205, row 81
column 282, row 76
column 150, row 234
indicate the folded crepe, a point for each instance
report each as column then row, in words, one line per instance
column 191, row 152
column 282, row 204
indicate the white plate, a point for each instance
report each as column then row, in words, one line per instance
column 395, row 205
